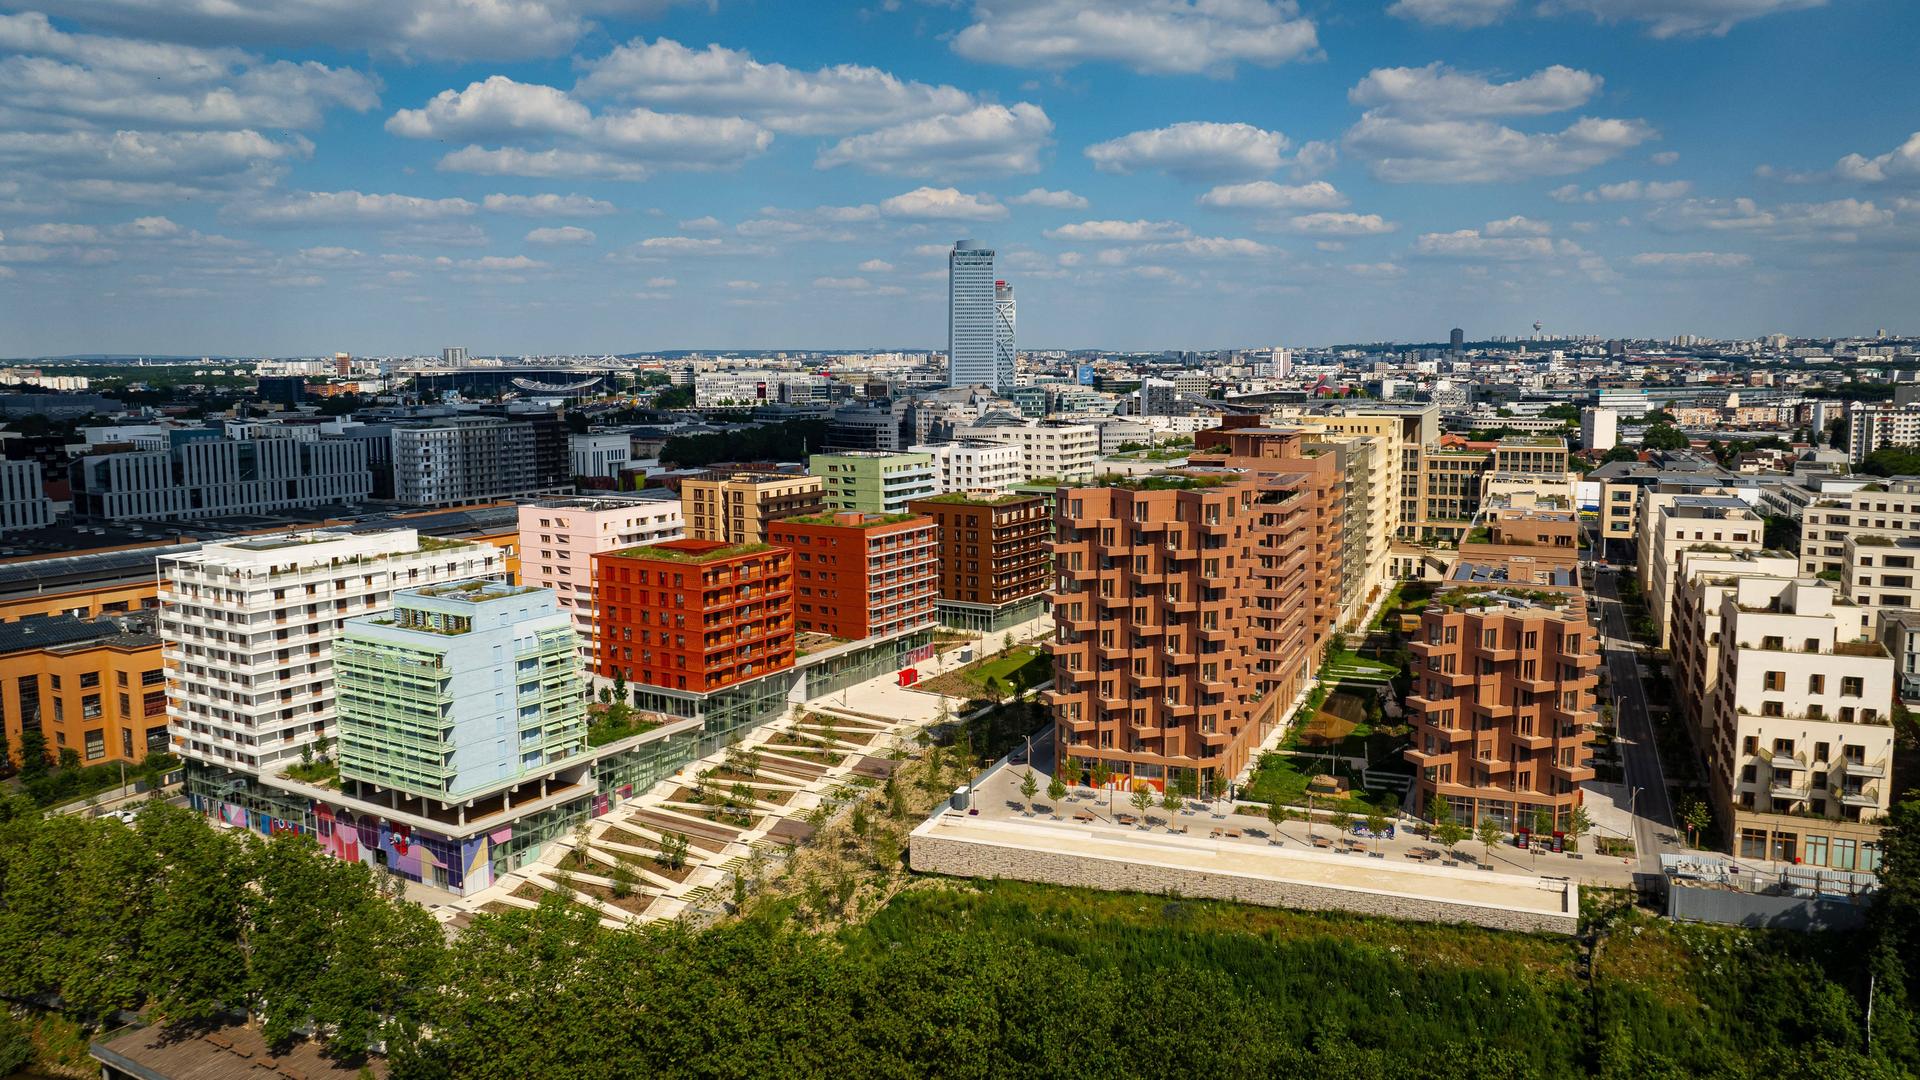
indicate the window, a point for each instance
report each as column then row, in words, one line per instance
column 1816, row 684
column 1852, row 686
column 1776, row 680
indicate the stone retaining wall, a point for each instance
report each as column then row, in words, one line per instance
column 934, row 854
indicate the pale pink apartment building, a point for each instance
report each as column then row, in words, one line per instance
column 560, row 537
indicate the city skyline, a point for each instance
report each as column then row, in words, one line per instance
column 560, row 176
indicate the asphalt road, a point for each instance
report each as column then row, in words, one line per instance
column 1654, row 825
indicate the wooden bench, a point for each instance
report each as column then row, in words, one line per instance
column 1082, row 815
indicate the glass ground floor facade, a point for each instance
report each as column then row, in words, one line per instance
column 987, row 619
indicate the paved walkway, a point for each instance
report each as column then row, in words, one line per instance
column 997, row 797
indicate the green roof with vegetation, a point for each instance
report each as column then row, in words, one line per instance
column 831, row 517
column 961, row 498
column 1160, row 482
column 667, row 554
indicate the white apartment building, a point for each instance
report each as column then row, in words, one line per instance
column 1674, row 522
column 747, row 389
column 215, row 477
column 1802, row 752
column 467, row 459
column 559, row 537
column 1890, row 509
column 1067, row 452
column 1704, row 580
column 602, row 453
column 1872, row 426
column 247, row 630
column 1599, row 429
column 1878, row 575
column 23, row 498
column 977, row 465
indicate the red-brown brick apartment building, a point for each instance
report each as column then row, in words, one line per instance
column 1192, row 608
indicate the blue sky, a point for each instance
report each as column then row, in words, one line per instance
column 303, row 176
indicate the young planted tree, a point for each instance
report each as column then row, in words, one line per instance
column 1698, row 819
column 673, row 851
column 1102, row 774
column 1378, row 823
column 1143, row 800
column 1578, row 825
column 622, row 879
column 1488, row 833
column 1542, row 822
column 1439, row 809
column 1276, row 816
column 1342, row 822
column 1056, row 791
column 1029, row 787
column 1171, row 802
column 1449, row 834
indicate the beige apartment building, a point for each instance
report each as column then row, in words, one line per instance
column 737, row 507
column 1674, row 522
column 1802, row 746
column 1889, row 509
column 1704, row 580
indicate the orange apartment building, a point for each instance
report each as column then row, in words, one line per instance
column 1503, row 703
column 90, row 686
column 1191, row 610
column 1506, row 666
column 995, row 557
column 694, row 615
column 860, row 575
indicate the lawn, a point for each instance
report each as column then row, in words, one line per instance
column 1283, row 778
column 1018, row 668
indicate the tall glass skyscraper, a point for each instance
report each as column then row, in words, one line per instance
column 971, row 355
column 1003, row 348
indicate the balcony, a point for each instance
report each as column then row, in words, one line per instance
column 1532, row 740
column 1873, row 770
column 1787, row 762
column 1493, row 765
column 1787, row 788
column 1866, row 797
column 1573, row 774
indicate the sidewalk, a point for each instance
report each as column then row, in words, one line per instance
column 997, row 796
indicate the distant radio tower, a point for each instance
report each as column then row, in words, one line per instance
column 1536, row 329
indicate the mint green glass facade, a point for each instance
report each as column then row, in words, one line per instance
column 461, row 690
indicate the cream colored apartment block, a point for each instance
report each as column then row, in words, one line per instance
column 1673, row 522
column 1705, row 579
column 1800, row 762
column 1879, row 575
column 1889, row 509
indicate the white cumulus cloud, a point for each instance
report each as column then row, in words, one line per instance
column 564, row 234
column 1439, row 91
column 1155, row 37
column 991, row 139
column 1056, row 200
column 1625, row 191
column 729, row 82
column 942, row 204
column 1267, row 195
column 1194, row 149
